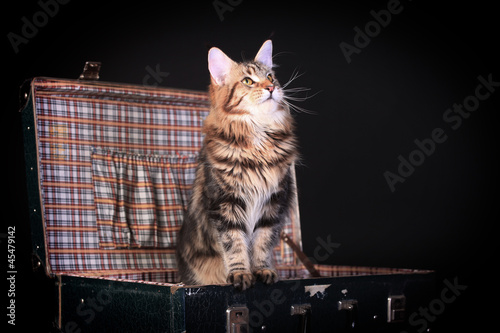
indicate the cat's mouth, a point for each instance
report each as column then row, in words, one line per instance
column 273, row 97
column 267, row 97
column 270, row 99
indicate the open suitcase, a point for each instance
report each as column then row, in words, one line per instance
column 109, row 169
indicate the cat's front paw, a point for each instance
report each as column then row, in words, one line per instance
column 266, row 275
column 241, row 280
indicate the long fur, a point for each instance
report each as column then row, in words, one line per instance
column 243, row 186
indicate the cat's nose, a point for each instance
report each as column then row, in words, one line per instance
column 270, row 88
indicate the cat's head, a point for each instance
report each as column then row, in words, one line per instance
column 248, row 87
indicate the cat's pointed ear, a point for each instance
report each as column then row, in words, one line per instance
column 219, row 65
column 265, row 54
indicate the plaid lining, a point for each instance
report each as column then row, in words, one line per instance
column 170, row 277
column 94, row 139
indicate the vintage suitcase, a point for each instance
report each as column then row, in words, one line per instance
column 109, row 169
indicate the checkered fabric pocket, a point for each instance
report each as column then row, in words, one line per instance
column 140, row 199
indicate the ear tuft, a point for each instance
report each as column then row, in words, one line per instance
column 219, row 65
column 265, row 54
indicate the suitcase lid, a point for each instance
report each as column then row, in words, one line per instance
column 109, row 171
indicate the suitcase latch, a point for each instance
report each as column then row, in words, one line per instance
column 350, row 306
column 237, row 319
column 396, row 305
column 303, row 311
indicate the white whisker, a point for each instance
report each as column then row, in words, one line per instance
column 297, row 108
column 298, row 89
column 296, row 98
column 295, row 75
column 293, row 91
column 291, row 94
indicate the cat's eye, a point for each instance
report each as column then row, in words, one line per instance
column 270, row 78
column 248, row 81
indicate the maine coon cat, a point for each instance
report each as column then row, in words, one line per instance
column 243, row 186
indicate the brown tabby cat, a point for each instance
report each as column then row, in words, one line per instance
column 243, row 186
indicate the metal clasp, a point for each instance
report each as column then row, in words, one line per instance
column 237, row 319
column 350, row 306
column 304, row 311
column 396, row 306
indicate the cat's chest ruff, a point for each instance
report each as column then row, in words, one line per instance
column 254, row 208
column 258, row 165
column 256, row 170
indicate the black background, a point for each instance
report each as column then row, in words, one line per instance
column 367, row 113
